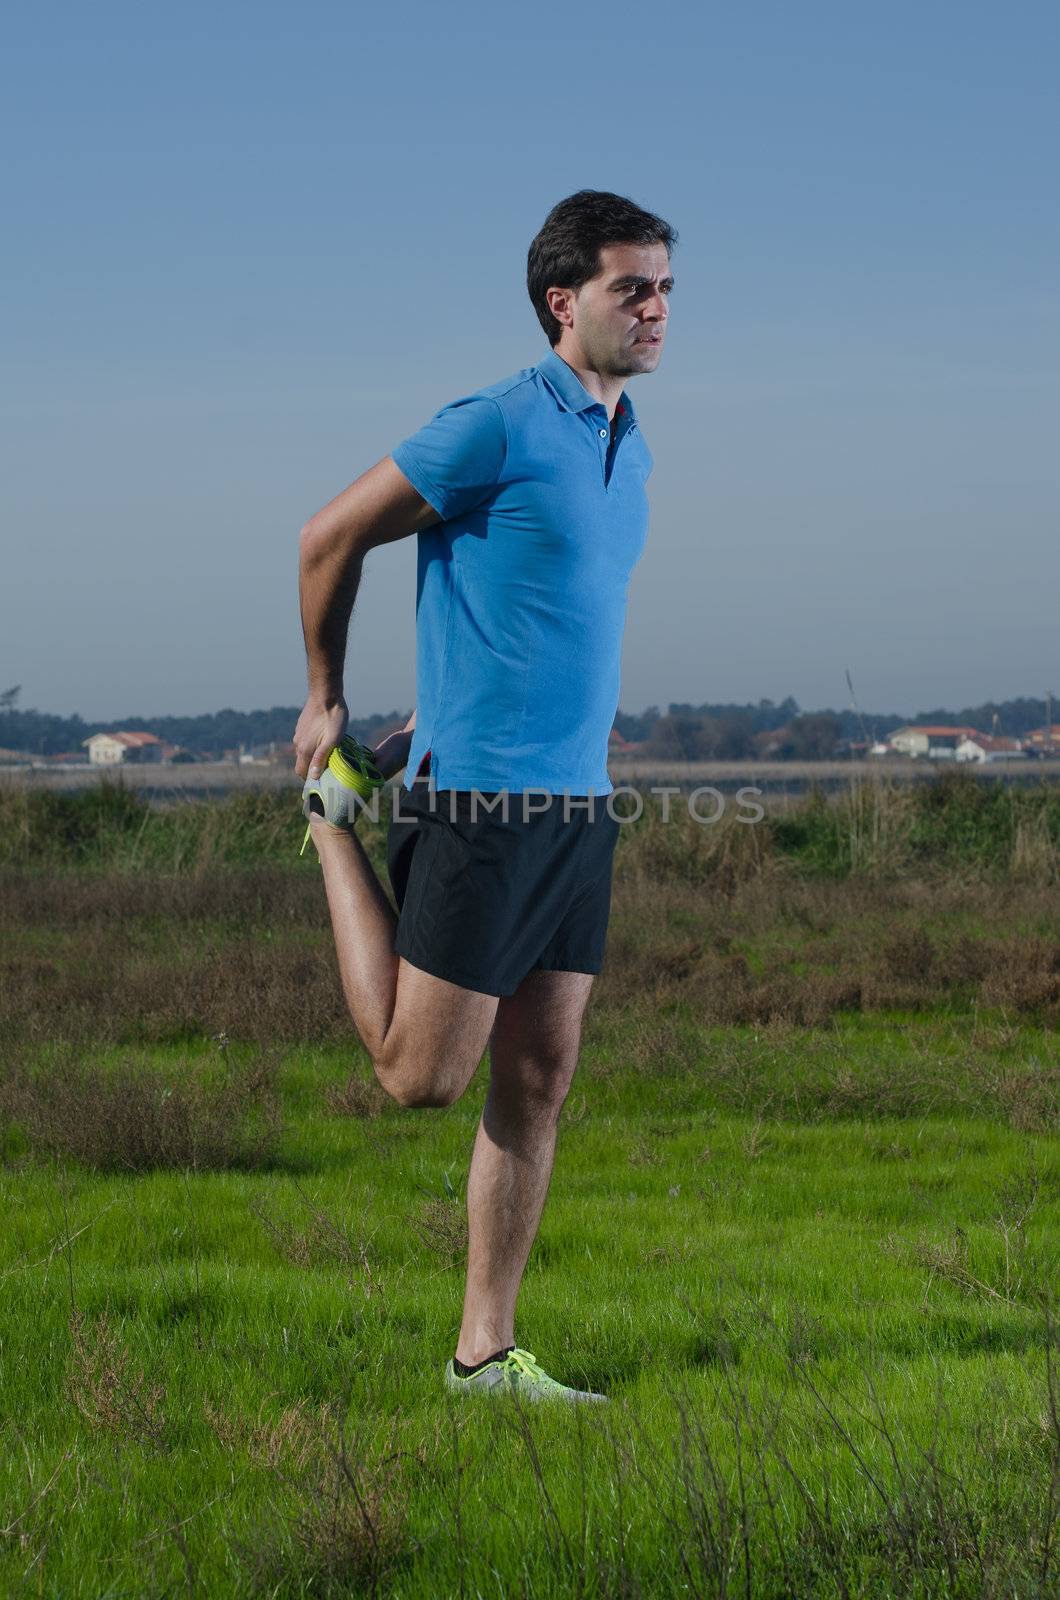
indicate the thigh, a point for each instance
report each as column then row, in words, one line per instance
column 439, row 1031
column 537, row 1034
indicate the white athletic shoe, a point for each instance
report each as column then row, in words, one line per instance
column 351, row 772
column 518, row 1374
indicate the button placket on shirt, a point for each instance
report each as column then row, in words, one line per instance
column 604, row 436
column 601, row 441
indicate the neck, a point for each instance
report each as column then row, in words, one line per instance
column 603, row 386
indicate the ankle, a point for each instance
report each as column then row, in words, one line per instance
column 471, row 1352
column 465, row 1368
column 320, row 829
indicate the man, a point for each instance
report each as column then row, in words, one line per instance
column 528, row 499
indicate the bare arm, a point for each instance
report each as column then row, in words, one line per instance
column 378, row 508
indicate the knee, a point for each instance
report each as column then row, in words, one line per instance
column 406, row 1083
column 539, row 1095
column 419, row 1096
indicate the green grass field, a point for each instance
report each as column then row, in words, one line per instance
column 804, row 1228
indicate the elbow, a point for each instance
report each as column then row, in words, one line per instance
column 310, row 543
column 321, row 541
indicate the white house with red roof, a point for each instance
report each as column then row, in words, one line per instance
column 112, row 749
column 990, row 747
column 928, row 739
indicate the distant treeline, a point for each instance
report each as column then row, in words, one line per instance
column 782, row 731
column 704, row 732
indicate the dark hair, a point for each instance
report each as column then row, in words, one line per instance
column 566, row 252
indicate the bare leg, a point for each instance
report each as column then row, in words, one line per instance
column 362, row 917
column 425, row 1036
column 533, row 1056
column 364, row 923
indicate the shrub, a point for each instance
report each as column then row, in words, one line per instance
column 132, row 1117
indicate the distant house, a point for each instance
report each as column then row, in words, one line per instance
column 1043, row 741
column 990, row 747
column 276, row 751
column 615, row 741
column 114, row 749
column 937, row 742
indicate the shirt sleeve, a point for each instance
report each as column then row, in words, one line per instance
column 456, row 459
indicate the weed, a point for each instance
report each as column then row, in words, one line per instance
column 440, row 1224
column 322, row 1243
column 107, row 1387
column 338, row 1522
column 356, row 1098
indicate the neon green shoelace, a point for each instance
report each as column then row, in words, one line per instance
column 354, row 765
column 350, row 761
column 525, row 1362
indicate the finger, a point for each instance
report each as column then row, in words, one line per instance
column 320, row 760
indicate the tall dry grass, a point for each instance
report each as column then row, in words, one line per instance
column 955, row 823
column 133, row 1116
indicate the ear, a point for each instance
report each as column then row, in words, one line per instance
column 561, row 305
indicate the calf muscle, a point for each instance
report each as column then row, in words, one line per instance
column 426, row 1036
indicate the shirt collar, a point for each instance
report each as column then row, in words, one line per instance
column 572, row 393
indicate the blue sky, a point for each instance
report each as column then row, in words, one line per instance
column 252, row 247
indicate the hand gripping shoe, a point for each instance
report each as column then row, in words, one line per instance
column 351, row 772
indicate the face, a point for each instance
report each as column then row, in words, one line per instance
column 617, row 321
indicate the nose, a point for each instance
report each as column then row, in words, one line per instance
column 656, row 308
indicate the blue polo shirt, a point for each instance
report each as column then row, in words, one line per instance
column 521, row 587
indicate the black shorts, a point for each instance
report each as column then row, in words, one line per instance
column 483, row 899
